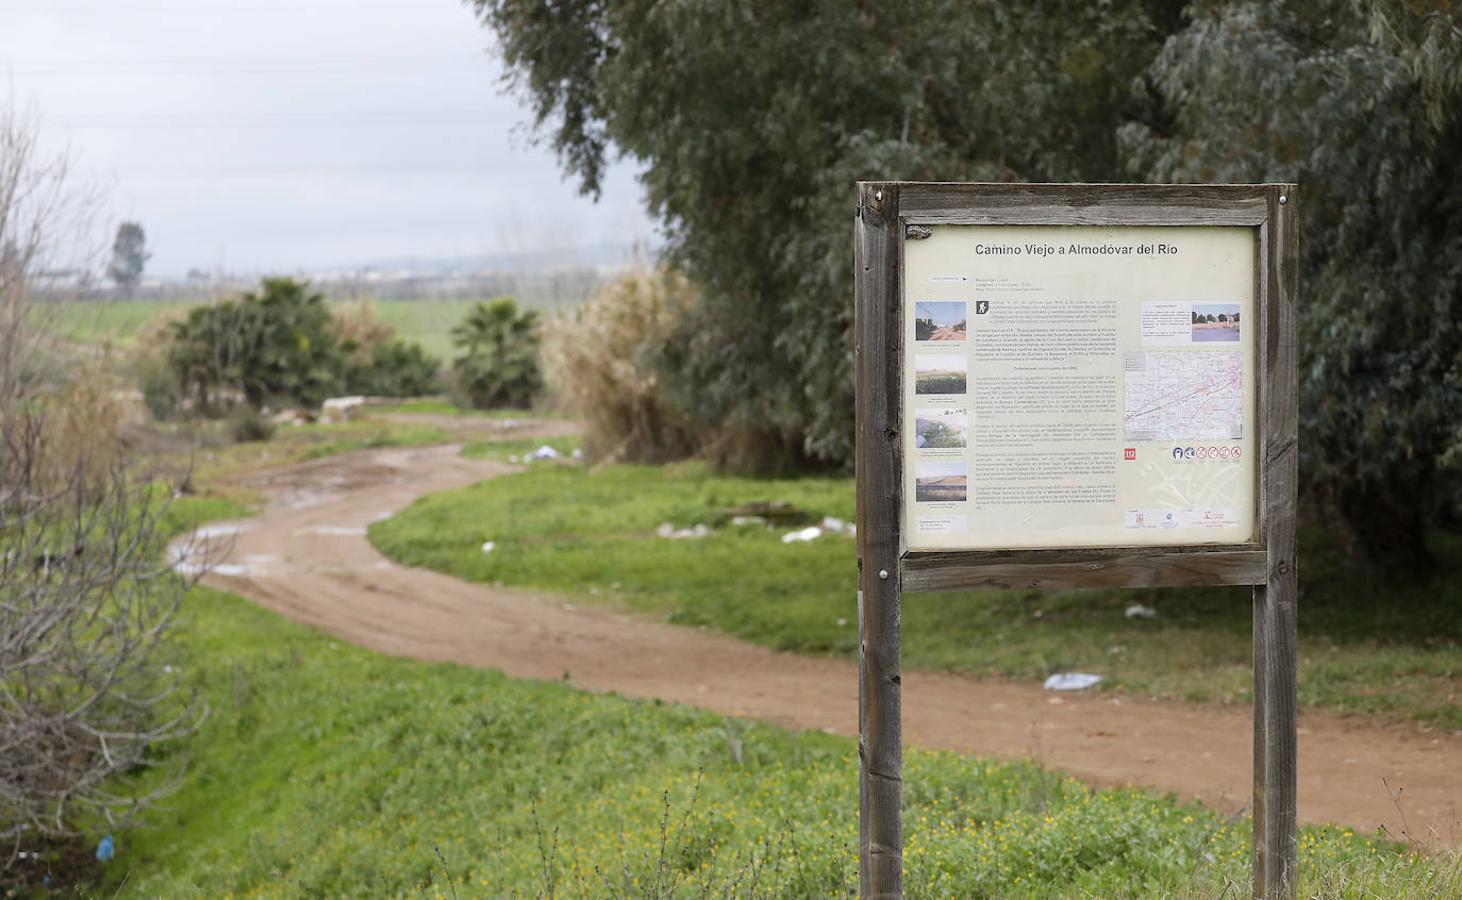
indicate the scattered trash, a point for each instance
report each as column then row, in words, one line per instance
column 578, row 454
column 105, row 850
column 487, row 546
column 738, row 521
column 810, row 533
column 1138, row 611
column 544, row 452
column 1071, row 681
column 667, row 530
column 829, row 525
column 842, row 622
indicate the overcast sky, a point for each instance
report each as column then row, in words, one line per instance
column 274, row 135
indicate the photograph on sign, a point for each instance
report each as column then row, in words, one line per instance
column 1079, row 386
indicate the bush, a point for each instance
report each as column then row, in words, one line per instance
column 376, row 361
column 87, row 602
column 601, row 362
column 395, row 369
column 499, row 362
column 248, row 424
column 276, row 346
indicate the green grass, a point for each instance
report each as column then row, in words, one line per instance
column 1367, row 644
column 326, row 770
column 428, row 322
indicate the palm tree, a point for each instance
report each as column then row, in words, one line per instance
column 499, row 361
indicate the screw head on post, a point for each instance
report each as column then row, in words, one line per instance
column 883, row 574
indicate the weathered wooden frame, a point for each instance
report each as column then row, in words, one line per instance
column 885, row 211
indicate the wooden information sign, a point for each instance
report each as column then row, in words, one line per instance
column 1068, row 386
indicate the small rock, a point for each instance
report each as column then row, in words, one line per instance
column 488, row 546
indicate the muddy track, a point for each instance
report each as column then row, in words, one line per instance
column 307, row 557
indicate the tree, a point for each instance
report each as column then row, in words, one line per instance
column 499, row 361
column 1378, row 154
column 129, row 257
column 752, row 120
column 276, row 346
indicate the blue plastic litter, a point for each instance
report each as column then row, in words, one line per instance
column 105, row 850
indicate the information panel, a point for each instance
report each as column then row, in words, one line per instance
column 1079, row 386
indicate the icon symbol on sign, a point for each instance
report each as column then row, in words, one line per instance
column 1202, row 453
column 982, row 307
column 1129, row 453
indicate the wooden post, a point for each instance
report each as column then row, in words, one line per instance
column 1276, row 757
column 886, row 566
column 879, row 338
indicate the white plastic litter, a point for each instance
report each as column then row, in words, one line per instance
column 488, row 546
column 1138, row 611
column 669, row 531
column 1072, row 681
column 544, row 452
column 810, row 533
column 578, row 454
column 748, row 520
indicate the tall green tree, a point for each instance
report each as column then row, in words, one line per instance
column 1361, row 103
column 751, row 120
column 129, row 257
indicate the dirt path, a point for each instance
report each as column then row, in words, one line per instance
column 307, row 557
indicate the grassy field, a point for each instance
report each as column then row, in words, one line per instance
column 326, row 770
column 322, row 769
column 428, row 322
column 1366, row 645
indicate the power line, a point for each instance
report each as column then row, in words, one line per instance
column 79, row 68
column 120, row 121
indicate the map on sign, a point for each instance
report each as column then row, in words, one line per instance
column 1176, row 395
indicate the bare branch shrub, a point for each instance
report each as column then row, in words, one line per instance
column 46, row 224
column 600, row 362
column 86, row 595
